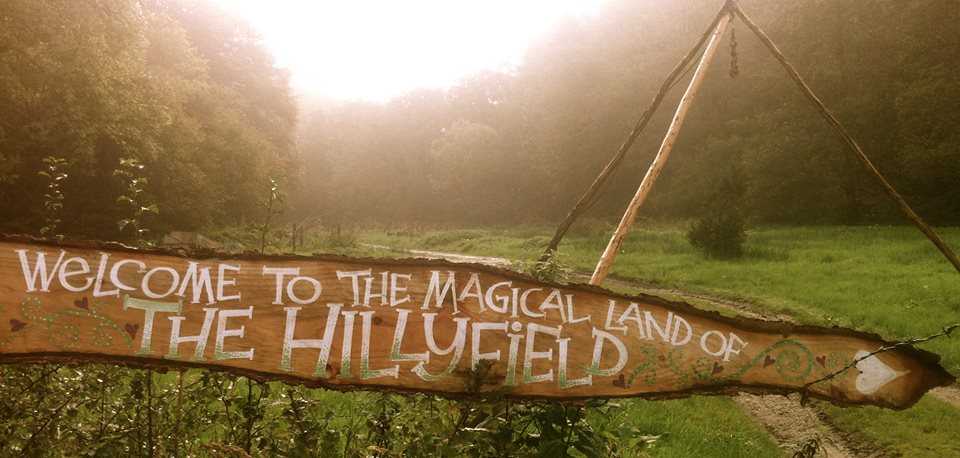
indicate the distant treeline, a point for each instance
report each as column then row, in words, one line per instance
column 522, row 146
column 194, row 96
column 176, row 84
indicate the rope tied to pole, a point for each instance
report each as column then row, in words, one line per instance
column 730, row 9
column 619, row 235
column 848, row 139
column 734, row 59
column 677, row 74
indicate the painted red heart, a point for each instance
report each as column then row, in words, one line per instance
column 768, row 361
column 822, row 360
column 16, row 325
column 717, row 368
column 82, row 303
column 835, row 392
column 620, row 382
column 132, row 329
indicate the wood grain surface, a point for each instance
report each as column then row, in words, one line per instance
column 418, row 325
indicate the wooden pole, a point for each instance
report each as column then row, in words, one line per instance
column 587, row 198
column 851, row 143
column 606, row 260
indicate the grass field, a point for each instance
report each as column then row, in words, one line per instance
column 887, row 280
column 878, row 279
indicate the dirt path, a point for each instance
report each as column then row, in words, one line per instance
column 452, row 257
column 949, row 394
column 791, row 424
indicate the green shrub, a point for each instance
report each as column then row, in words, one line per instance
column 719, row 237
column 552, row 270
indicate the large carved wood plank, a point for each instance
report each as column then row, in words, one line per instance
column 418, row 326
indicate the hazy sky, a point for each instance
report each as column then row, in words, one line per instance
column 377, row 49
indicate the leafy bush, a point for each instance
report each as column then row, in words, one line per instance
column 719, row 237
column 552, row 270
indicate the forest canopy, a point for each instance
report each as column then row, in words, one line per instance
column 194, row 96
column 184, row 89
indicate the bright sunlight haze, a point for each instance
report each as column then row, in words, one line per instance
column 378, row 49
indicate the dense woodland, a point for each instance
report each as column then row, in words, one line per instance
column 187, row 91
column 196, row 98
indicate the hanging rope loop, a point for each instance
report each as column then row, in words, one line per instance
column 734, row 60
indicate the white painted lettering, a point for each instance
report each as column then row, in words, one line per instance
column 174, row 281
column 529, row 354
column 439, row 295
column 39, row 270
column 354, row 277
column 223, row 282
column 199, row 339
column 223, row 333
column 279, row 273
column 199, row 281
column 65, row 273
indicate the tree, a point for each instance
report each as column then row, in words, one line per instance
column 471, row 177
column 94, row 82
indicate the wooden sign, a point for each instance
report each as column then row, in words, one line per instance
column 418, row 326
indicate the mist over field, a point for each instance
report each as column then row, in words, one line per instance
column 195, row 96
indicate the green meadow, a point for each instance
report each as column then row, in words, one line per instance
column 886, row 280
